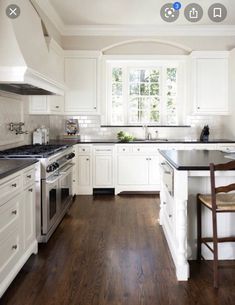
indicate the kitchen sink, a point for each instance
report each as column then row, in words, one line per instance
column 152, row 140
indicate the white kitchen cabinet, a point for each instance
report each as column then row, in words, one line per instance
column 46, row 104
column 103, row 166
column 137, row 168
column 81, row 80
column 29, row 216
column 17, row 224
column 132, row 170
column 84, row 167
column 210, row 83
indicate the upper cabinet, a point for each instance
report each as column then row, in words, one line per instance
column 46, row 104
column 210, row 83
column 81, row 82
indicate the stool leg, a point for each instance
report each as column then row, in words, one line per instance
column 199, row 228
column 215, row 247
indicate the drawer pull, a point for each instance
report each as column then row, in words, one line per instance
column 14, row 247
column 14, row 212
column 170, row 216
column 31, row 190
column 83, row 149
column 14, row 185
column 29, row 176
column 87, row 159
column 164, row 202
column 57, row 107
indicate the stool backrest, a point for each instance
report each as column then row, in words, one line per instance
column 220, row 189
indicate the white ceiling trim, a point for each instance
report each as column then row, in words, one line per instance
column 159, row 41
column 138, row 30
column 166, row 30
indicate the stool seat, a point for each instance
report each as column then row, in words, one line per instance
column 224, row 202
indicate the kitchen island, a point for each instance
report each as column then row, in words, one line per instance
column 183, row 175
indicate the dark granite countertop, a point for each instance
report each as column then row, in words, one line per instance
column 11, row 166
column 157, row 141
column 194, row 159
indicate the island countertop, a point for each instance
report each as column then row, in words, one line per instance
column 194, row 159
column 11, row 166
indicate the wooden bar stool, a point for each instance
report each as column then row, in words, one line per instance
column 219, row 201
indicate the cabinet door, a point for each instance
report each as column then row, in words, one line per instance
column 132, row 170
column 154, row 170
column 211, row 85
column 56, row 104
column 29, row 216
column 80, row 78
column 103, row 171
column 84, row 171
column 38, row 104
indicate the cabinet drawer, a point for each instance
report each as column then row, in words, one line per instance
column 10, row 187
column 9, row 214
column 10, row 251
column 103, row 150
column 84, row 150
column 124, row 149
column 28, row 177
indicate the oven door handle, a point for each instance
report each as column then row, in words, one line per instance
column 66, row 169
column 54, row 180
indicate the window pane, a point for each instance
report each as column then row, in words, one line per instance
column 144, row 89
column 144, row 76
column 154, row 89
column 134, row 89
column 154, row 76
column 117, row 74
column 117, row 89
column 134, row 75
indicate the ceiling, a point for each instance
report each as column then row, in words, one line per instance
column 128, row 12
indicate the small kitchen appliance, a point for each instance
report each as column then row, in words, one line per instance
column 41, row 135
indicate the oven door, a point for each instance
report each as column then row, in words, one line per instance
column 65, row 186
column 50, row 202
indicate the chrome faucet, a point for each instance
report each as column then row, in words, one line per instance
column 17, row 127
column 147, row 134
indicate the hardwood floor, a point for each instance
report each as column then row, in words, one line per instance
column 111, row 251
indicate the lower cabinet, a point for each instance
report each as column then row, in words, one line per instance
column 103, row 166
column 17, row 226
column 84, row 164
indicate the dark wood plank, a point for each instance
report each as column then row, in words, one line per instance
column 111, row 251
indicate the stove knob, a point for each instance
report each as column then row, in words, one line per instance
column 56, row 165
column 50, row 168
column 70, row 156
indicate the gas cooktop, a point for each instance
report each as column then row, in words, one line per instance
column 32, row 151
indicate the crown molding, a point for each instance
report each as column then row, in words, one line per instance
column 166, row 30
column 134, row 30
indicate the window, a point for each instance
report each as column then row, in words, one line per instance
column 143, row 93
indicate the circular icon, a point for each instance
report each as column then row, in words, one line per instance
column 193, row 12
column 13, row 11
column 168, row 13
column 177, row 6
column 217, row 12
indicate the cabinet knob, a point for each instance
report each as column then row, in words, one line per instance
column 198, row 107
column 14, row 247
column 87, row 159
column 57, row 107
column 83, row 149
column 164, row 202
column 170, row 216
column 94, row 107
column 14, row 185
column 14, row 212
column 31, row 190
column 29, row 176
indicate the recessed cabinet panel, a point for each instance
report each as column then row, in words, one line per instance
column 103, row 171
column 80, row 78
column 84, row 174
column 132, row 170
column 210, row 85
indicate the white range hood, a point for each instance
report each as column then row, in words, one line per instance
column 24, row 54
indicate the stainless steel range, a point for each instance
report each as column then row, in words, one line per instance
column 53, row 183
